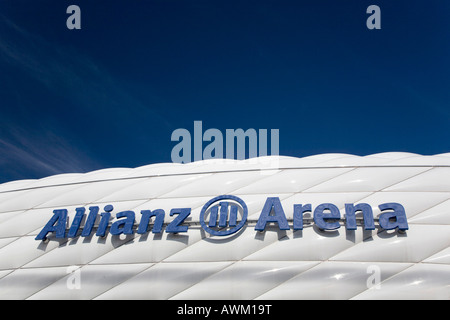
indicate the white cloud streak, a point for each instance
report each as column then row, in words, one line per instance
column 68, row 74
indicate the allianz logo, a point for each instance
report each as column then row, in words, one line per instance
column 222, row 216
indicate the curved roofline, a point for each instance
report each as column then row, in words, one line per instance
column 319, row 161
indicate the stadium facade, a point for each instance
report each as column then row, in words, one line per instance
column 330, row 226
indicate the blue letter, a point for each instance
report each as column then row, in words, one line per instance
column 89, row 224
column 76, row 222
column 298, row 215
column 174, row 226
column 145, row 220
column 59, row 217
column 320, row 217
column 124, row 226
column 279, row 216
column 350, row 216
column 104, row 221
column 398, row 215
column 103, row 224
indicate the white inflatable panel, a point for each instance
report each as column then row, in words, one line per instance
column 271, row 264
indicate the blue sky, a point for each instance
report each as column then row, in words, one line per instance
column 111, row 94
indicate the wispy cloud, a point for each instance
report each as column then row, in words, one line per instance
column 42, row 154
column 69, row 75
column 65, row 70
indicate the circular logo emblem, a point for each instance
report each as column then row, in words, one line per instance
column 222, row 214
